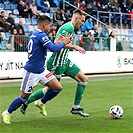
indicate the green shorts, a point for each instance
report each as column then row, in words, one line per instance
column 69, row 69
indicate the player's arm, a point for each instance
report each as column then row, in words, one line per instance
column 43, row 38
column 53, row 48
column 76, row 47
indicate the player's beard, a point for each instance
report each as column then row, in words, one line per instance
column 77, row 27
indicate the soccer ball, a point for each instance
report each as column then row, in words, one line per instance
column 116, row 112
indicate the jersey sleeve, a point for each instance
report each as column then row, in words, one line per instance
column 66, row 30
column 43, row 38
column 64, row 33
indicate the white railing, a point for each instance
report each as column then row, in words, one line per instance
column 98, row 43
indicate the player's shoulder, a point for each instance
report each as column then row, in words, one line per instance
column 68, row 26
column 39, row 35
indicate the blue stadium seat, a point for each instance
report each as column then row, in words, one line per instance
column 26, row 29
column 7, row 7
column 114, row 19
column 131, row 39
column 13, row 6
column 1, row 5
column 104, row 19
column 31, row 28
column 34, row 21
column 23, row 20
column 130, row 32
column 124, row 19
column 16, row 20
column 28, row 21
column 19, row 16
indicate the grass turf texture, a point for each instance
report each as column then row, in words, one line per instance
column 100, row 94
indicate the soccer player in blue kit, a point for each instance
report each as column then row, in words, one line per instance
column 34, row 71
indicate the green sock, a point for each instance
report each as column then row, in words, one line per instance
column 79, row 93
column 36, row 95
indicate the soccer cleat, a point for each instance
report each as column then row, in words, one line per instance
column 23, row 108
column 42, row 108
column 79, row 111
column 6, row 118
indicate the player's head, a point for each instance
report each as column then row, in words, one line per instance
column 44, row 23
column 78, row 18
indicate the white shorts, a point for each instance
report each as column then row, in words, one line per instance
column 30, row 80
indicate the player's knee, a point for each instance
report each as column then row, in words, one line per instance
column 59, row 86
column 24, row 95
column 85, row 79
column 23, row 99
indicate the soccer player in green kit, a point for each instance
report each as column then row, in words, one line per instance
column 59, row 64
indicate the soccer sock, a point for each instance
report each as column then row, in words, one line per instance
column 16, row 103
column 36, row 95
column 50, row 94
column 79, row 93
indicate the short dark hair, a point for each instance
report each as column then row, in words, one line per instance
column 10, row 13
column 43, row 18
column 78, row 11
column 2, row 12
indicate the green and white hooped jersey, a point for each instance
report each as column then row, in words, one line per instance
column 60, row 57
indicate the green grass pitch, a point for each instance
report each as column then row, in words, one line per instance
column 100, row 94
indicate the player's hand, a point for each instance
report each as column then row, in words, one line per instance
column 66, row 39
column 81, row 50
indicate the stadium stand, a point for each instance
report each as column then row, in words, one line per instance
column 33, row 21
column 29, row 24
column 31, row 28
column 16, row 20
column 23, row 20
column 8, row 34
column 28, row 21
column 26, row 29
column 15, row 12
column 4, row 45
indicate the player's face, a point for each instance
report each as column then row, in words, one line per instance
column 80, row 21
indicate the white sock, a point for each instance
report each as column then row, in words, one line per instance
column 40, row 102
column 7, row 112
column 76, row 106
column 44, row 90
